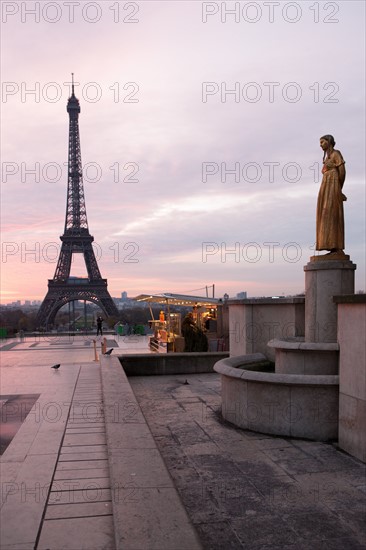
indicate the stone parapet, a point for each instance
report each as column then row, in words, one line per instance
column 252, row 323
column 267, row 301
column 352, row 374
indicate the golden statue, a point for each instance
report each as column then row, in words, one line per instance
column 329, row 213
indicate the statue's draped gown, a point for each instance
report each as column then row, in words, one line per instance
column 329, row 213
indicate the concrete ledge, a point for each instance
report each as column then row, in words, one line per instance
column 350, row 299
column 329, row 265
column 147, row 510
column 230, row 367
column 301, row 345
column 145, row 364
column 267, row 301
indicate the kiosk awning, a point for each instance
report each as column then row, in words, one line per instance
column 177, row 299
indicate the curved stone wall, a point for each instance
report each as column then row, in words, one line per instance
column 293, row 405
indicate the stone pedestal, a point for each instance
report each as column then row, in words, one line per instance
column 323, row 280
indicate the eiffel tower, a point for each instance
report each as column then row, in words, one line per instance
column 75, row 240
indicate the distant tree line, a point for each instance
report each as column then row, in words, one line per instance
column 14, row 320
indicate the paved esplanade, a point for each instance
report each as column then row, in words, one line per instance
column 77, row 476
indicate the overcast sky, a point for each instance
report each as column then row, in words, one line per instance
column 199, row 136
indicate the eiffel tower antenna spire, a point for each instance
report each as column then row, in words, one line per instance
column 75, row 240
column 72, row 84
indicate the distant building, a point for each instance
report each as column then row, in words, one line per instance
column 124, row 296
column 241, row 295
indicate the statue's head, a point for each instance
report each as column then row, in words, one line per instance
column 329, row 139
column 327, row 143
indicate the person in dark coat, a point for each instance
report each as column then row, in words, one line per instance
column 100, row 325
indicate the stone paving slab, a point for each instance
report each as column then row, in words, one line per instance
column 72, row 440
column 143, row 466
column 153, row 518
column 99, row 454
column 64, row 534
column 82, row 496
column 130, row 435
column 71, row 484
column 84, row 449
column 81, row 464
column 18, row 546
column 82, row 424
column 87, row 428
column 79, row 510
column 78, row 473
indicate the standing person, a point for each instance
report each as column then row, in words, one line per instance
column 194, row 337
column 329, row 213
column 99, row 325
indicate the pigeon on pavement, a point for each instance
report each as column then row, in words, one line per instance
column 109, row 351
column 56, row 366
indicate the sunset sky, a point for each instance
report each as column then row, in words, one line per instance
column 176, row 96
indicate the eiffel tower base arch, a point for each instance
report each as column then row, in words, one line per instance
column 60, row 294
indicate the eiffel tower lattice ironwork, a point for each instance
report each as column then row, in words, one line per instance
column 75, row 240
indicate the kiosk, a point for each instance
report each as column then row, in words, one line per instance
column 167, row 329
